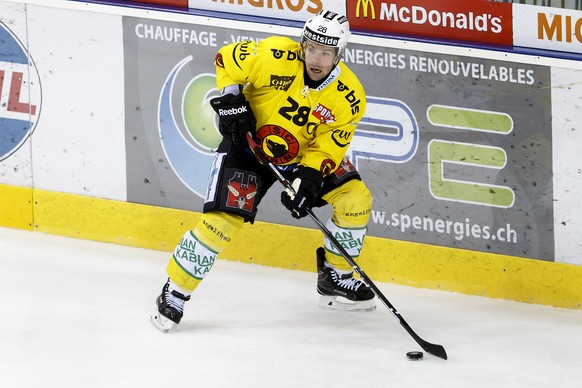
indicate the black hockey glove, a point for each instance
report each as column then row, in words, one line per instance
column 307, row 185
column 235, row 117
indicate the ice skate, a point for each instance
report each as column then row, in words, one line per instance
column 170, row 309
column 341, row 291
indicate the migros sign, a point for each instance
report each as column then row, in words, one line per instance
column 312, row 6
column 477, row 21
column 299, row 10
column 547, row 28
column 560, row 28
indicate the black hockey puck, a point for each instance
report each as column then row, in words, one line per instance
column 414, row 356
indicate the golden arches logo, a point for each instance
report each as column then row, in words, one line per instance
column 364, row 5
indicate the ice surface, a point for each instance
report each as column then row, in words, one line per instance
column 76, row 313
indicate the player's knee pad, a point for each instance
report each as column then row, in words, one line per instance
column 352, row 203
column 196, row 253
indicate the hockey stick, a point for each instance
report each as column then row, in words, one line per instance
column 434, row 349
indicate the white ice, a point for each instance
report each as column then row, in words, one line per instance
column 75, row 313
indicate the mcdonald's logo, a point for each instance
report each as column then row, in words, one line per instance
column 363, row 5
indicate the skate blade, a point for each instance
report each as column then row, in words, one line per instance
column 161, row 323
column 338, row 303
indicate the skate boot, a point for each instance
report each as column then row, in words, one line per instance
column 341, row 291
column 170, row 308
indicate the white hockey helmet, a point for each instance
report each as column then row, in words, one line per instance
column 329, row 29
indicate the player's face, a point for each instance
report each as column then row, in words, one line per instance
column 319, row 60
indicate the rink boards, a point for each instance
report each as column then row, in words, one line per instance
column 471, row 154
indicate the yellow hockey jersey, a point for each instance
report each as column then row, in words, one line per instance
column 295, row 124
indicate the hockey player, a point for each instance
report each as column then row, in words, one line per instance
column 302, row 105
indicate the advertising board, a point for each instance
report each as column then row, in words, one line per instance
column 299, row 10
column 456, row 150
column 20, row 97
column 476, row 21
column 547, row 28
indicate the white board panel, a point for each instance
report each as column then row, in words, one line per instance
column 79, row 146
column 567, row 159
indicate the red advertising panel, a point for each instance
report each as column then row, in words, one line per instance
column 476, row 21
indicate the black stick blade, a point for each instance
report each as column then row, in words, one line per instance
column 436, row 350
